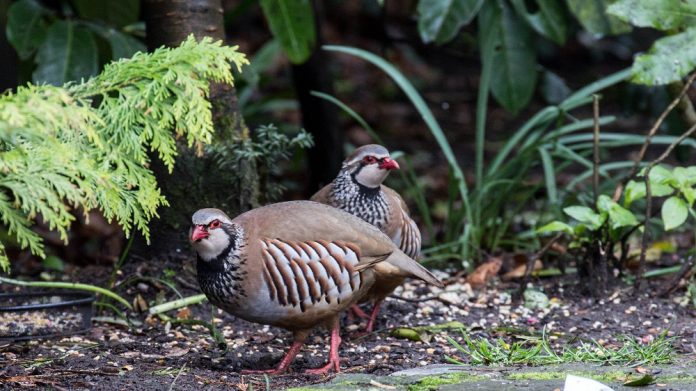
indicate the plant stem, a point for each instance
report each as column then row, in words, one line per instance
column 172, row 305
column 68, row 285
column 595, row 151
column 651, row 133
column 648, row 206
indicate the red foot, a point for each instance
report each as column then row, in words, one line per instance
column 373, row 317
column 334, row 362
column 282, row 367
column 357, row 311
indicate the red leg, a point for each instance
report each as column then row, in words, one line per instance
column 357, row 311
column 284, row 363
column 373, row 316
column 334, row 361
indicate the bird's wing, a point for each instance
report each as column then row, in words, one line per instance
column 405, row 232
column 323, row 195
column 312, row 274
column 309, row 221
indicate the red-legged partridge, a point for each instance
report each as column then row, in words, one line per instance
column 358, row 190
column 294, row 265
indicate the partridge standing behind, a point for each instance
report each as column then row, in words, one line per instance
column 294, row 265
column 358, row 190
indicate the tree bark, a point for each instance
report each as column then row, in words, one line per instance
column 197, row 181
column 319, row 117
column 9, row 77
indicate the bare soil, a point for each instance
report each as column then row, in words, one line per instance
column 154, row 355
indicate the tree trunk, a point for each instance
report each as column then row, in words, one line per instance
column 319, row 116
column 197, row 181
column 9, row 77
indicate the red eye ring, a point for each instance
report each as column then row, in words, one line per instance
column 369, row 160
column 215, row 224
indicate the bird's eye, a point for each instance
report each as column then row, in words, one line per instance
column 369, row 160
column 215, row 224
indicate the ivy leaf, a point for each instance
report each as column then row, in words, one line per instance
column 556, row 226
column 674, row 212
column 506, row 41
column 669, row 59
column 26, row 27
column 440, row 20
column 660, row 14
column 585, row 215
column 292, row 24
column 118, row 13
column 68, row 53
column 593, row 17
column 549, row 20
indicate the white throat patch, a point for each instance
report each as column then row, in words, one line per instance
column 212, row 246
column 371, row 176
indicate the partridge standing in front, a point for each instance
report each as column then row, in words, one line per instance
column 294, row 265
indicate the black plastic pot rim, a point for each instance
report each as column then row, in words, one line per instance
column 79, row 299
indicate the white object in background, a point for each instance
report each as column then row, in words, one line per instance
column 577, row 383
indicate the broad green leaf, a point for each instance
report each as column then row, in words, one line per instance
column 26, row 27
column 690, row 195
column 660, row 175
column 68, row 53
column 53, row 262
column 292, row 24
column 556, row 226
column 690, row 173
column 549, row 20
column 604, row 203
column 635, row 190
column 440, row 20
column 122, row 45
column 585, row 215
column 621, row 217
column 118, row 13
column 674, row 212
column 618, row 216
column 646, row 380
column 594, row 18
column 660, row 14
column 506, row 42
column 669, row 59
column 553, row 88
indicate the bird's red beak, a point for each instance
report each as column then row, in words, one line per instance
column 199, row 232
column 388, row 164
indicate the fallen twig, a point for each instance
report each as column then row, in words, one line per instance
column 672, row 284
column 530, row 265
column 171, row 386
column 174, row 304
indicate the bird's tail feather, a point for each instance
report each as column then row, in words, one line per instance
column 368, row 262
column 413, row 269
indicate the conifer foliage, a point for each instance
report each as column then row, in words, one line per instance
column 85, row 145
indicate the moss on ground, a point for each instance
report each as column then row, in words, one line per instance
column 430, row 383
